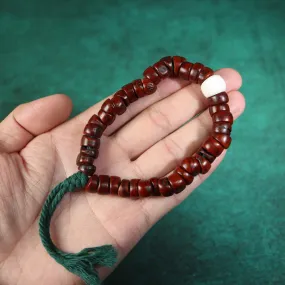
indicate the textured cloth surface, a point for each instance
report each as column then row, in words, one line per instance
column 230, row 230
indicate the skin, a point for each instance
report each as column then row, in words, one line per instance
column 38, row 149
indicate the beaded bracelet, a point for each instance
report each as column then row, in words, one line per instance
column 213, row 87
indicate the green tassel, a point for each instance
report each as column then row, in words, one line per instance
column 82, row 263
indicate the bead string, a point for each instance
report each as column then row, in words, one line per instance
column 85, row 262
column 212, row 86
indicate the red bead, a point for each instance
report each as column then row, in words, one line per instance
column 220, row 98
column 202, row 152
column 108, row 107
column 205, row 73
column 92, row 184
column 124, row 189
column 97, row 121
column 129, row 90
column 177, row 182
column 90, row 141
column 213, row 147
column 223, row 116
column 154, row 183
column 84, row 159
column 185, row 69
column 177, row 62
column 106, row 118
column 124, row 96
column 115, row 182
column 191, row 165
column 119, row 105
column 204, row 163
column 164, row 187
column 148, row 86
column 104, row 184
column 169, row 63
column 87, row 169
column 186, row 176
column 93, row 152
column 224, row 140
column 93, row 130
column 161, row 69
column 216, row 108
column 222, row 128
column 134, row 191
column 194, row 73
column 145, row 188
column 152, row 74
column 138, row 87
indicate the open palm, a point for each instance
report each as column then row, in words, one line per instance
column 38, row 149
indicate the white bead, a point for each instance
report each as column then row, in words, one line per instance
column 213, row 85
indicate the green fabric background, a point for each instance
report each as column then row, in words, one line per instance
column 231, row 229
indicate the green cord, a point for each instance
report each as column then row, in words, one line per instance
column 82, row 263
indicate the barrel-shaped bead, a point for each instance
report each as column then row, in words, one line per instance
column 92, row 183
column 216, row 108
column 129, row 90
column 124, row 96
column 148, row 86
column 145, row 188
column 186, row 176
column 161, row 69
column 97, row 121
column 90, row 141
column 164, row 187
column 204, row 73
column 84, row 159
column 177, row 182
column 184, row 71
column 93, row 130
column 223, row 139
column 87, row 169
column 138, row 87
column 204, row 163
column 104, row 184
column 222, row 128
column 155, row 189
column 152, row 74
column 106, row 118
column 134, row 190
column 115, row 182
column 167, row 60
column 191, row 165
column 119, row 105
column 223, row 116
column 177, row 62
column 202, row 152
column 220, row 98
column 213, row 85
column 108, row 107
column 90, row 151
column 213, row 147
column 124, row 188
column 195, row 71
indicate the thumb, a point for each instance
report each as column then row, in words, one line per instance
column 32, row 119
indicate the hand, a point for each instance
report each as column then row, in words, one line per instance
column 38, row 149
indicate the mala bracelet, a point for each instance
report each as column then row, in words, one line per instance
column 213, row 87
